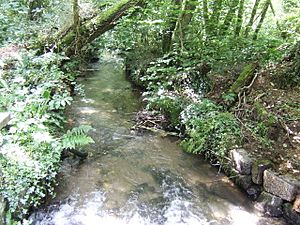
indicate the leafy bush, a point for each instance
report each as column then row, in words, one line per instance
column 169, row 105
column 210, row 131
column 35, row 93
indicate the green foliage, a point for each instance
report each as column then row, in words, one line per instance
column 165, row 43
column 35, row 93
column 210, row 131
column 77, row 137
column 260, row 131
column 293, row 74
column 169, row 105
column 175, row 72
column 16, row 26
column 9, row 220
column 229, row 98
column 288, row 75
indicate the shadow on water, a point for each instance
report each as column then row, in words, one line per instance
column 136, row 179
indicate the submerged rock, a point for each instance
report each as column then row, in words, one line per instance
column 269, row 204
column 291, row 216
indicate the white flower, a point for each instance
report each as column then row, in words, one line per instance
column 42, row 136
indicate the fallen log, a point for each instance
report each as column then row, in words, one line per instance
column 68, row 41
column 243, row 83
column 244, row 79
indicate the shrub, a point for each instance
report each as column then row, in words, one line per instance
column 210, row 131
column 36, row 94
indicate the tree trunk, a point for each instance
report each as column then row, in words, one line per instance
column 229, row 16
column 244, row 78
column 262, row 18
column 66, row 40
column 184, row 19
column 206, row 17
column 76, row 23
column 251, row 20
column 214, row 20
column 168, row 33
column 239, row 21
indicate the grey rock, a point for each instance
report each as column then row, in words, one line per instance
column 281, row 186
column 291, row 216
column 258, row 169
column 241, row 161
column 244, row 181
column 4, row 119
column 254, row 192
column 269, row 204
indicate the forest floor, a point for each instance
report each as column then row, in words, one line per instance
column 269, row 116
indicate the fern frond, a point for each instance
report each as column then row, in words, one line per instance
column 77, row 137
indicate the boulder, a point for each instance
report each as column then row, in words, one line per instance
column 258, row 169
column 241, row 161
column 291, row 216
column 281, row 186
column 269, row 204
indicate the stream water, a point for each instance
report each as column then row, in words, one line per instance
column 132, row 178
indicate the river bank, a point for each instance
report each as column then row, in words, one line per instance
column 35, row 92
column 251, row 135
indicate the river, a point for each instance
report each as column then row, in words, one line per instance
column 132, row 178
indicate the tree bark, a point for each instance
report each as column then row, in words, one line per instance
column 229, row 16
column 206, row 17
column 184, row 19
column 251, row 20
column 76, row 23
column 214, row 20
column 262, row 18
column 244, row 78
column 239, row 21
column 66, row 40
column 168, row 33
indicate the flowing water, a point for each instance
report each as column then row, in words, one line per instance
column 132, row 178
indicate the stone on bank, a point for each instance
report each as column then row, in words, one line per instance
column 280, row 186
column 241, row 161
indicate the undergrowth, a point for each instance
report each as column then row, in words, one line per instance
column 210, row 131
column 36, row 92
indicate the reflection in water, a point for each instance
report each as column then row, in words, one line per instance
column 130, row 178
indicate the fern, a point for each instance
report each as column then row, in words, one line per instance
column 77, row 137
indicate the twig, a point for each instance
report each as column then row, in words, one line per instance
column 288, row 131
